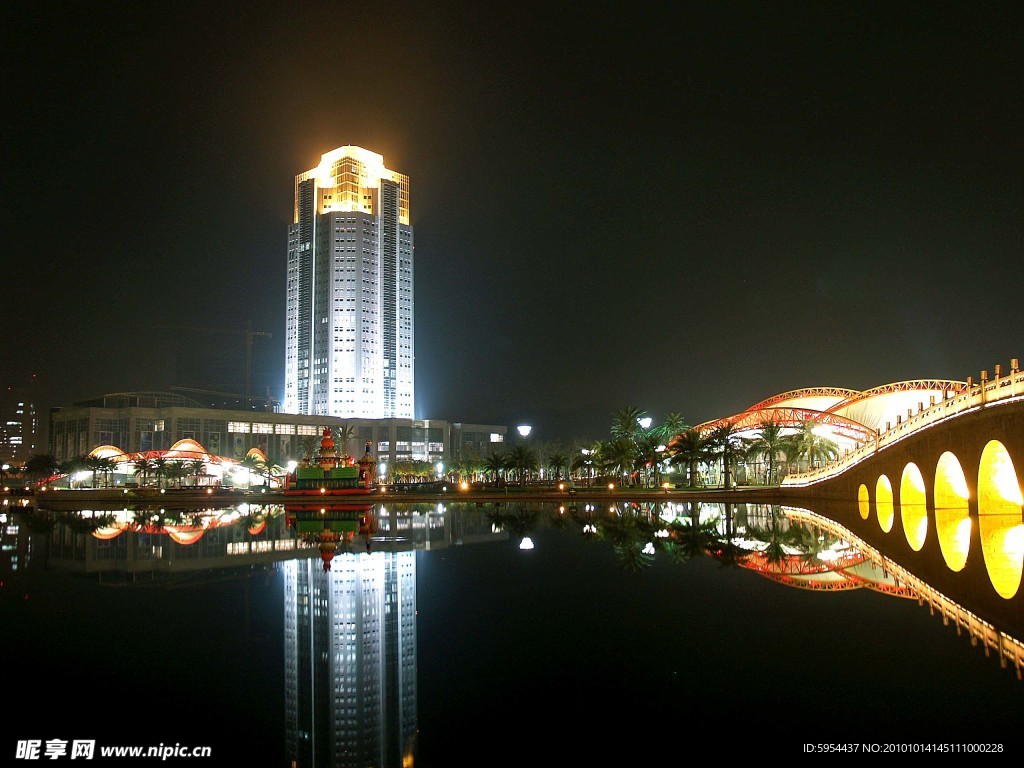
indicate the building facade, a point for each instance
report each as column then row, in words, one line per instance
column 349, row 328
column 154, row 421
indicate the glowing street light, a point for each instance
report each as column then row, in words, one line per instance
column 440, row 468
column 645, row 422
column 524, row 430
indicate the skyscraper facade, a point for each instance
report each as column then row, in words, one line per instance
column 19, row 425
column 349, row 323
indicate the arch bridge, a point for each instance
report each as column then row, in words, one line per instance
column 941, row 491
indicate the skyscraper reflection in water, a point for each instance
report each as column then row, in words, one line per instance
column 350, row 660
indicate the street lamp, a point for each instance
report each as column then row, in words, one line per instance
column 645, row 423
column 440, row 469
column 524, row 430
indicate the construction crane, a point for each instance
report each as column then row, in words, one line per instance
column 249, row 334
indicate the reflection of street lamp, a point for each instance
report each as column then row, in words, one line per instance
column 524, row 430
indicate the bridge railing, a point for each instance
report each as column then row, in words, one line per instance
column 974, row 396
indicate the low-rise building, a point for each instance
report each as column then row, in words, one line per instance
column 153, row 421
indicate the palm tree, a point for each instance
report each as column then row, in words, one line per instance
column 160, row 468
column 769, row 444
column 308, row 445
column 95, row 464
column 585, row 460
column 726, row 447
column 143, row 467
column 673, row 426
column 617, row 457
column 806, row 443
column 523, row 460
column 688, row 450
column 650, row 452
column 343, row 435
column 176, row 470
column 69, row 468
column 626, row 423
column 197, row 469
column 255, row 465
column 557, row 462
column 41, row 466
column 494, row 465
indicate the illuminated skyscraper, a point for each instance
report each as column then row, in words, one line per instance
column 18, row 425
column 349, row 323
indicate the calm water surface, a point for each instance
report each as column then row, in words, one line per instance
column 473, row 636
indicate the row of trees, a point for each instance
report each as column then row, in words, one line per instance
column 166, row 472
column 638, row 453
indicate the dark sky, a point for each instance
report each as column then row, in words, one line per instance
column 612, row 206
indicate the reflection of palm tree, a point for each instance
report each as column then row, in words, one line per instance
column 725, row 549
column 775, row 551
column 558, row 519
column 692, row 537
column 630, row 534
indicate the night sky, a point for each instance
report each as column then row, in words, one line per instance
column 612, row 206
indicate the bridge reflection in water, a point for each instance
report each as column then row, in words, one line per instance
column 351, row 633
column 940, row 491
